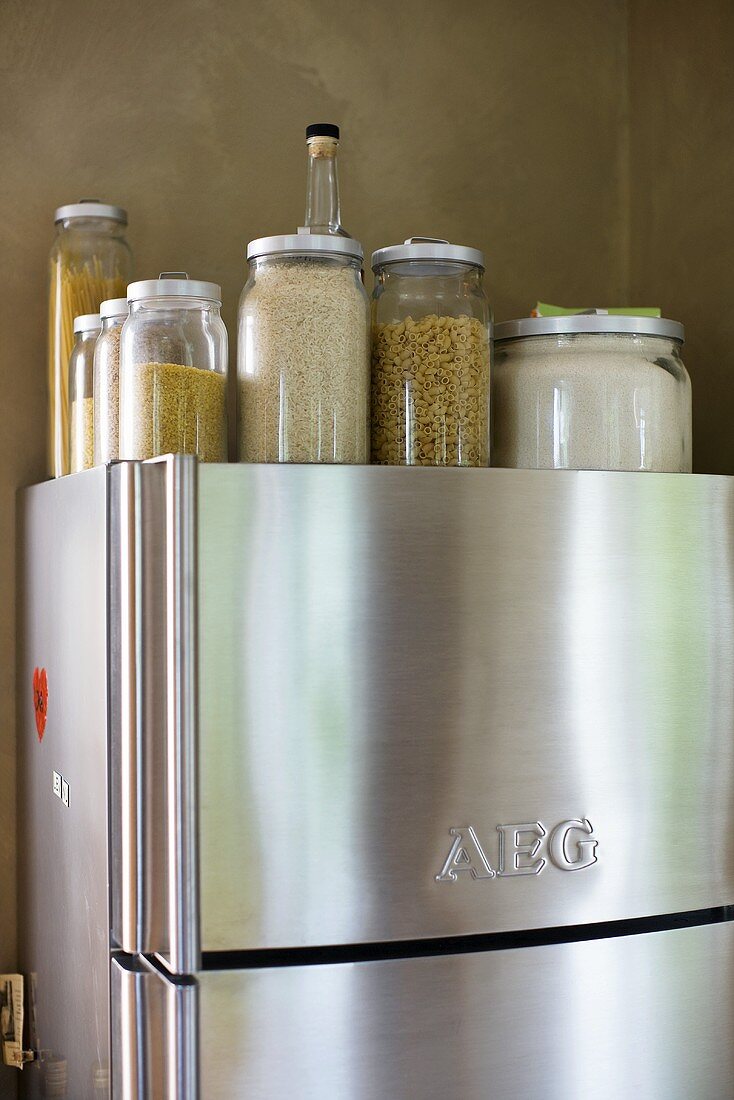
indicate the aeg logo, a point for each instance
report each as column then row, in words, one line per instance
column 569, row 847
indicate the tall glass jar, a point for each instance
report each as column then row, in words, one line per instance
column 81, row 392
column 303, row 352
column 90, row 261
column 173, row 370
column 591, row 392
column 107, row 381
column 430, row 355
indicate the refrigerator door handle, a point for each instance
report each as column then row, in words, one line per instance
column 154, row 1028
column 153, row 709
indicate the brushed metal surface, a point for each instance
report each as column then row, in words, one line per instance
column 649, row 1017
column 154, row 1033
column 386, row 655
column 63, row 882
column 138, row 707
column 153, row 709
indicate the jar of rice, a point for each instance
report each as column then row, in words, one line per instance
column 430, row 355
column 303, row 352
column 591, row 392
column 173, row 370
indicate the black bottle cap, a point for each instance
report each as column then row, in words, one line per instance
column 322, row 129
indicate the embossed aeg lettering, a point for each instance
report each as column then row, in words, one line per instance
column 570, row 846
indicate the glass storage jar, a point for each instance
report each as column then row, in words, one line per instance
column 107, row 381
column 303, row 352
column 81, row 392
column 591, row 392
column 90, row 261
column 173, row 370
column 430, row 355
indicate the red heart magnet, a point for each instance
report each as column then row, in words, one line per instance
column 40, row 699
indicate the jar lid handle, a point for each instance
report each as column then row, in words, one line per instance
column 425, row 240
column 173, row 275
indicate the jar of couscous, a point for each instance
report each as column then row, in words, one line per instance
column 430, row 355
column 173, row 370
column 81, row 392
column 107, row 381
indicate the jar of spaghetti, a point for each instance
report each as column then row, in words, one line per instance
column 90, row 262
column 430, row 355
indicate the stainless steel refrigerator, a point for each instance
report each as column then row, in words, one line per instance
column 360, row 783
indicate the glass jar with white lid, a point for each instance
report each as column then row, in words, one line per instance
column 90, row 261
column 173, row 370
column 591, row 392
column 81, row 392
column 113, row 313
column 303, row 352
column 430, row 355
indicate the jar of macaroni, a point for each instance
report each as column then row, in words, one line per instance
column 430, row 355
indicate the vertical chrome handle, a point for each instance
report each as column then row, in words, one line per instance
column 153, row 709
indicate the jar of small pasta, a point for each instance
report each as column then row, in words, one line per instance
column 430, row 355
column 81, row 392
column 173, row 370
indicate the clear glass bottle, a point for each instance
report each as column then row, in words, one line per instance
column 81, row 392
column 323, row 211
column 591, row 392
column 173, row 370
column 90, row 261
column 430, row 355
column 303, row 352
column 113, row 313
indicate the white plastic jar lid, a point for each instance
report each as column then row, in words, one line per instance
column 87, row 322
column 305, row 244
column 426, row 249
column 90, row 208
column 174, row 284
column 114, row 307
column 589, row 323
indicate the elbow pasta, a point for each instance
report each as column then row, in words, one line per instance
column 430, row 392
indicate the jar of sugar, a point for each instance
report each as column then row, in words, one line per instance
column 591, row 392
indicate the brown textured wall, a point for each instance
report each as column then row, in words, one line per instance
column 682, row 210
column 495, row 124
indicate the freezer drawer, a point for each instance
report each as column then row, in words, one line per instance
column 645, row 1016
column 416, row 703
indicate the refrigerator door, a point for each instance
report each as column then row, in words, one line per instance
column 413, row 703
column 648, row 1016
column 62, row 786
